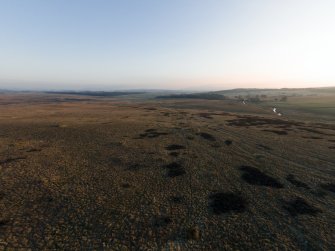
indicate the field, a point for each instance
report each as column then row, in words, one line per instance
column 128, row 173
column 312, row 108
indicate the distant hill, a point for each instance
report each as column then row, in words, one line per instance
column 283, row 91
column 254, row 94
column 96, row 94
column 209, row 96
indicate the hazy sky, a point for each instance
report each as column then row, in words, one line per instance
column 170, row 44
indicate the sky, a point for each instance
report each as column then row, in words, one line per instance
column 166, row 44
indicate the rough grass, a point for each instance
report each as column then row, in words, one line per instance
column 291, row 178
column 329, row 187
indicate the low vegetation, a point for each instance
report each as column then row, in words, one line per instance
column 159, row 174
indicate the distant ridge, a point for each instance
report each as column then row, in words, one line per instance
column 96, row 94
column 286, row 91
column 209, row 96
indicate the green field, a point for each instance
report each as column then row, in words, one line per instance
column 314, row 108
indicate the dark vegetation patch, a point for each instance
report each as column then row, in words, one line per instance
column 151, row 130
column 291, row 178
column 125, row 185
column 259, row 156
column 311, row 137
column 190, row 137
column 205, row 115
column 216, row 145
column 228, row 142
column 174, row 147
column 319, row 193
column 226, row 202
column 45, row 199
column 107, row 123
column 177, row 199
column 279, row 132
column 9, row 160
column 329, row 187
column 331, row 140
column 255, row 177
column 115, row 160
column 289, row 130
column 76, row 99
column 282, row 127
column 225, row 114
column 174, row 154
column 134, row 167
column 207, row 136
column 150, row 108
column 300, row 206
column 33, row 150
column 260, row 121
column 331, row 147
column 175, row 169
column 314, row 131
column 48, row 198
column 3, row 222
column 325, row 126
column 152, row 133
column 113, row 144
column 264, row 147
column 162, row 221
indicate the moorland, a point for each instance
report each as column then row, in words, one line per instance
column 136, row 171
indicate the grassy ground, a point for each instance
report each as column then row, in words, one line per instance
column 312, row 108
column 306, row 104
column 120, row 174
